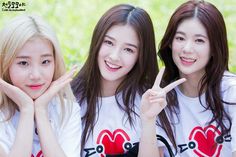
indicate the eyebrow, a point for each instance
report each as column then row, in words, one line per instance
column 26, row 57
column 198, row 35
column 129, row 44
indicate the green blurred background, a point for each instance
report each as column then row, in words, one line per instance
column 74, row 21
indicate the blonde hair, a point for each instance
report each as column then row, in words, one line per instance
column 15, row 34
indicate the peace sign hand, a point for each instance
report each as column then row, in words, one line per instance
column 154, row 100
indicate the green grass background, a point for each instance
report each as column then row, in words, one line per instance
column 74, row 21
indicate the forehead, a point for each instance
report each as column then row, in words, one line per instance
column 124, row 33
column 192, row 26
column 36, row 46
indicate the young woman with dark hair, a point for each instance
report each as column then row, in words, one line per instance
column 121, row 66
column 199, row 119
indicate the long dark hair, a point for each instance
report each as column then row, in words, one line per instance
column 214, row 24
column 86, row 85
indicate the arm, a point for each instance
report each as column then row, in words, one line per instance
column 22, row 145
column 48, row 141
column 68, row 141
column 2, row 152
column 24, row 135
column 148, row 141
column 152, row 103
column 234, row 154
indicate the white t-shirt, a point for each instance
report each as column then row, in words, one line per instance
column 68, row 134
column 194, row 136
column 112, row 132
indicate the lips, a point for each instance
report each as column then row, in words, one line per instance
column 35, row 86
column 187, row 61
column 112, row 67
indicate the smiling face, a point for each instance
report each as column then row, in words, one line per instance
column 118, row 54
column 191, row 48
column 33, row 68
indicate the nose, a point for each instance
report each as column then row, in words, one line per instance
column 115, row 54
column 34, row 73
column 188, row 47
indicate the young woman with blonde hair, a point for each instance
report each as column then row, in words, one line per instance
column 38, row 114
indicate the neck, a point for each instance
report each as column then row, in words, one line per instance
column 191, row 87
column 109, row 88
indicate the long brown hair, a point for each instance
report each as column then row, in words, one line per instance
column 86, row 85
column 214, row 24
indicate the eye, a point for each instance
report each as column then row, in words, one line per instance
column 129, row 50
column 199, row 41
column 108, row 42
column 179, row 38
column 23, row 63
column 46, row 61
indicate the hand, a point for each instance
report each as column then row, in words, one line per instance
column 154, row 100
column 22, row 100
column 42, row 101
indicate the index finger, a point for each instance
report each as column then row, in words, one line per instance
column 174, row 84
column 158, row 79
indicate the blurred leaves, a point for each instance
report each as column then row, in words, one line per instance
column 74, row 21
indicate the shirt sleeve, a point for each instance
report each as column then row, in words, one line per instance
column 232, row 113
column 70, row 133
column 162, row 133
column 5, row 141
column 229, row 95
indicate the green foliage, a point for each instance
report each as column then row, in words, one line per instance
column 74, row 21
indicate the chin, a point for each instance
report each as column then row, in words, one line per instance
column 35, row 96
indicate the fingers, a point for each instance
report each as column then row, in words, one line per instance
column 157, row 102
column 168, row 88
column 158, row 79
column 155, row 97
column 60, row 83
column 68, row 75
column 173, row 85
column 3, row 83
column 16, row 94
column 6, row 87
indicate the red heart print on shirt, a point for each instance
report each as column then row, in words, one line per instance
column 204, row 138
column 112, row 143
column 40, row 154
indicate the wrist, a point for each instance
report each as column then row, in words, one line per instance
column 28, row 109
column 40, row 110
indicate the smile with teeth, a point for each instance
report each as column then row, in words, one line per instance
column 112, row 66
column 187, row 60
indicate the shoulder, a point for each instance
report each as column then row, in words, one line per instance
column 228, row 86
column 68, row 107
column 56, row 102
column 228, row 80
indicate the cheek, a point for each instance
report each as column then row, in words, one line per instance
column 51, row 72
column 177, row 46
column 103, row 51
column 17, row 78
column 15, row 74
column 130, row 61
column 206, row 58
column 174, row 55
column 99, row 60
